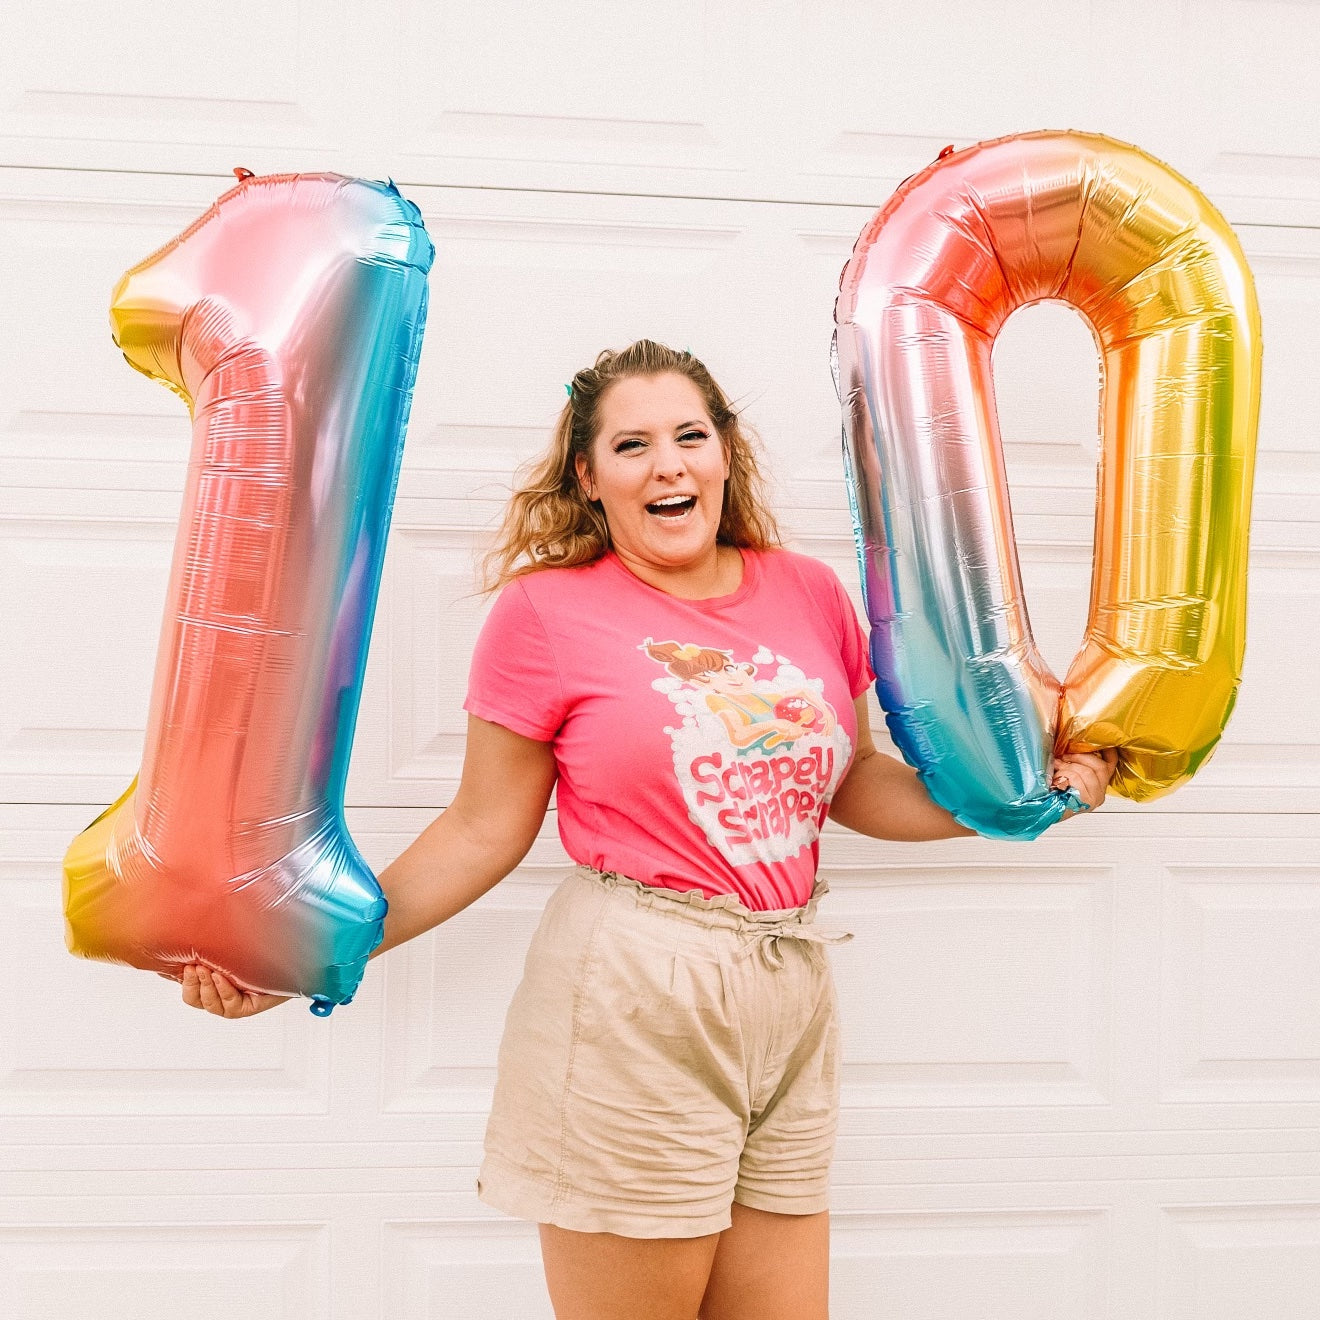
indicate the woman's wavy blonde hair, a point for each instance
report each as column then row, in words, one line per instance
column 550, row 523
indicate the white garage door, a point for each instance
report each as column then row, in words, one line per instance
column 1082, row 1075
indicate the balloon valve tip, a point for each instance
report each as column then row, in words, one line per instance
column 243, row 174
column 945, row 151
column 321, row 1006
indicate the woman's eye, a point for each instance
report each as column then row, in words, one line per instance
column 627, row 446
column 692, row 435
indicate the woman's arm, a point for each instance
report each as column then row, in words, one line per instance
column 484, row 833
column 883, row 797
column 465, row 851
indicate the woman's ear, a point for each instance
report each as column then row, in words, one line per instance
column 583, row 470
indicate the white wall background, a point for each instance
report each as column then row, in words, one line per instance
column 1083, row 1075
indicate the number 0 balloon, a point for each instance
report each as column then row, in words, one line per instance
column 1161, row 279
column 290, row 318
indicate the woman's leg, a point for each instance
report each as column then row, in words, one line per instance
column 764, row 1267
column 770, row 1267
column 601, row 1276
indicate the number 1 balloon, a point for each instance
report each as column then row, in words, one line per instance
column 1159, row 276
column 290, row 319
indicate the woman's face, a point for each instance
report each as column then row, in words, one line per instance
column 658, row 467
column 732, row 678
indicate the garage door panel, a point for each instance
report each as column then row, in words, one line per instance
column 149, row 90
column 219, row 1270
column 1223, row 1261
column 989, row 988
column 462, row 1271
column 1240, row 984
column 447, row 995
column 1010, row 1264
column 72, row 724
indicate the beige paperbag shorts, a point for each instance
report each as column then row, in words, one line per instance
column 665, row 1055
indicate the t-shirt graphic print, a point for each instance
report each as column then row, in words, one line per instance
column 759, row 750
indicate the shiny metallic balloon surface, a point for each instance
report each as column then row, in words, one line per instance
column 1162, row 281
column 290, row 318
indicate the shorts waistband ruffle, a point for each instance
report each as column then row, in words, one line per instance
column 760, row 931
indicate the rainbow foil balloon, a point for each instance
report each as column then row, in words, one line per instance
column 289, row 318
column 1160, row 278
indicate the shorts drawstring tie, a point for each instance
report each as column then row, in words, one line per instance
column 766, row 939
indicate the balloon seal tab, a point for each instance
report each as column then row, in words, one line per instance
column 945, row 151
column 321, row 1006
column 1075, row 802
column 243, row 174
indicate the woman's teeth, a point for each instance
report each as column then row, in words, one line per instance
column 675, row 506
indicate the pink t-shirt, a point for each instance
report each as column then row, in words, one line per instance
column 698, row 742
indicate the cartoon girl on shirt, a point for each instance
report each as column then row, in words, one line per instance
column 755, row 716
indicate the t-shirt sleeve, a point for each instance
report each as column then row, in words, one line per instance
column 514, row 679
column 853, row 645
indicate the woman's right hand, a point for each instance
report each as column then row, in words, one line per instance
column 205, row 988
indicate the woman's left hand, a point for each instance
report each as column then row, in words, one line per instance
column 1086, row 773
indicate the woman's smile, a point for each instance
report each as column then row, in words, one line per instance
column 672, row 507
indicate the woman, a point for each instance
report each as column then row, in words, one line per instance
column 668, row 1079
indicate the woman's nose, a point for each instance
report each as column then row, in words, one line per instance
column 669, row 459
